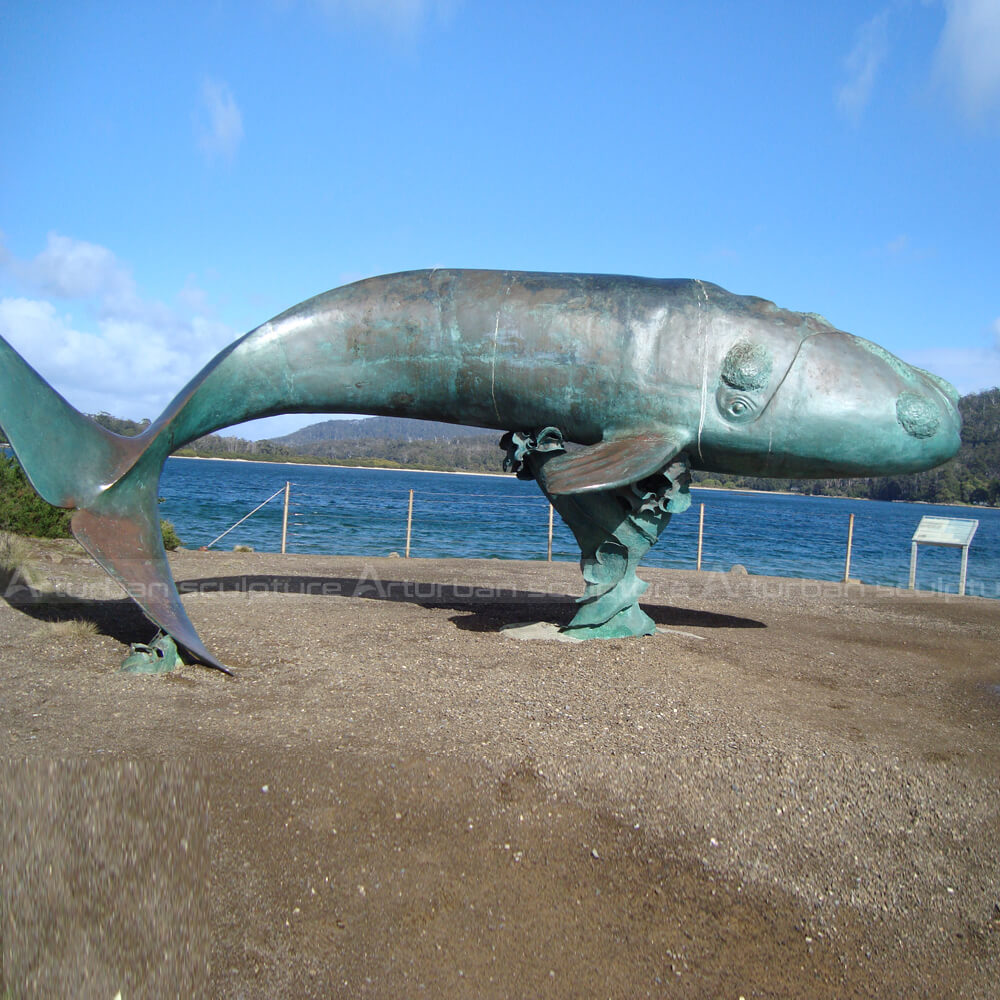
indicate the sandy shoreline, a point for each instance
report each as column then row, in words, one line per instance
column 330, row 465
column 789, row 792
column 442, row 472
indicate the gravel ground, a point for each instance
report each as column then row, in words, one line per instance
column 790, row 791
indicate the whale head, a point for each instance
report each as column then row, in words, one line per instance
column 830, row 405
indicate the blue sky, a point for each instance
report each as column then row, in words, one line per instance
column 172, row 175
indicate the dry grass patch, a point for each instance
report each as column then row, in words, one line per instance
column 73, row 628
column 15, row 556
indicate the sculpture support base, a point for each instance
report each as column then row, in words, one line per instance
column 614, row 529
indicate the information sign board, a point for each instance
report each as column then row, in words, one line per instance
column 953, row 532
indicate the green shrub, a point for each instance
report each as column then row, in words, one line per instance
column 170, row 539
column 22, row 510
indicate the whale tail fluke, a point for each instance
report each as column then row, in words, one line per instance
column 69, row 458
column 111, row 480
column 121, row 530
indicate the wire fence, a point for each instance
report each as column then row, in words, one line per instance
column 762, row 532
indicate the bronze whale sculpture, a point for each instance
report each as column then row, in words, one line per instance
column 650, row 376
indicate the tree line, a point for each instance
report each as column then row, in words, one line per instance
column 972, row 477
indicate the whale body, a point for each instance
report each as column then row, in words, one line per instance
column 637, row 371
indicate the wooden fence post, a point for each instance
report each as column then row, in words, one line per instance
column 284, row 519
column 850, row 540
column 409, row 525
column 701, row 532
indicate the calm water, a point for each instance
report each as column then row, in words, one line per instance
column 363, row 512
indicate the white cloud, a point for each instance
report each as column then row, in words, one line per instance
column 108, row 347
column 862, row 65
column 968, row 54
column 75, row 269
column 90, row 370
column 123, row 366
column 32, row 327
column 221, row 123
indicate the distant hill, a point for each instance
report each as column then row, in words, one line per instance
column 384, row 428
column 386, row 442
column 973, row 476
column 396, row 441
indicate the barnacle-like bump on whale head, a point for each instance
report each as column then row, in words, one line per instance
column 747, row 366
column 917, row 414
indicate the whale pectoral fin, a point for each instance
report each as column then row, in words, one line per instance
column 612, row 463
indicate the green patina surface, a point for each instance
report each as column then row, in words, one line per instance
column 650, row 376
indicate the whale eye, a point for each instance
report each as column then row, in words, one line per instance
column 736, row 406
